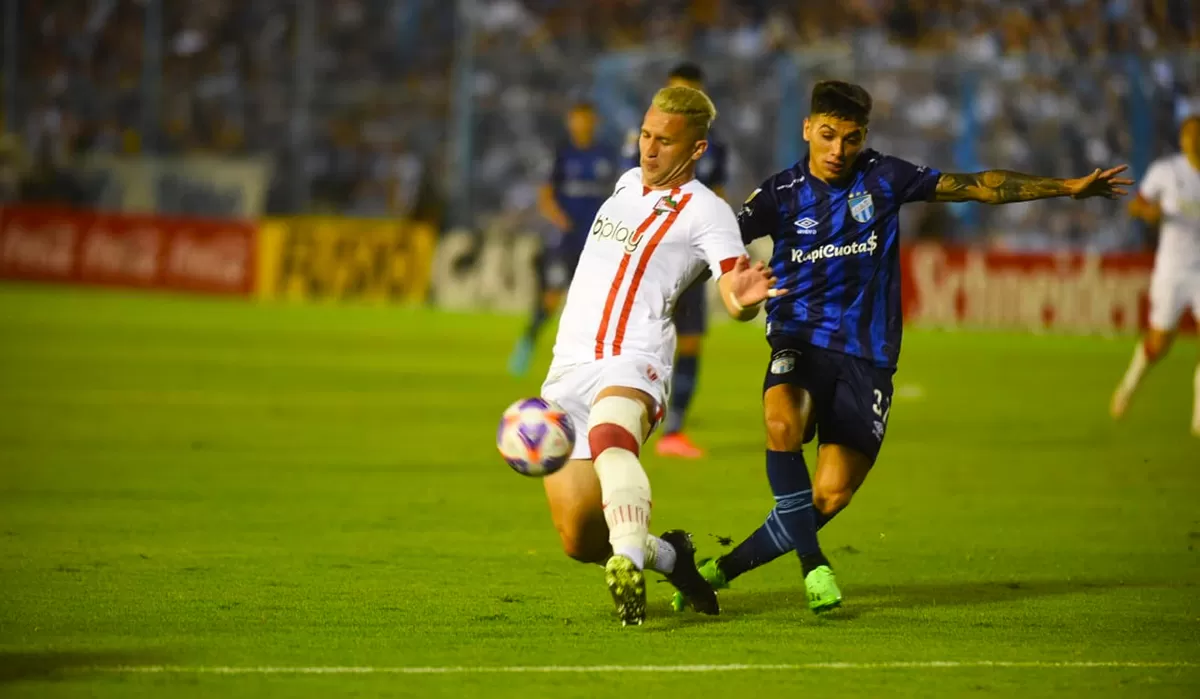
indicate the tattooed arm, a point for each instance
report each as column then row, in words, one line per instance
column 1006, row 187
column 997, row 187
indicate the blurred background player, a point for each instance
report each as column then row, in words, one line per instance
column 580, row 180
column 1169, row 197
column 835, row 336
column 691, row 311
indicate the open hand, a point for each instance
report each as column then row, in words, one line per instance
column 1101, row 183
column 752, row 284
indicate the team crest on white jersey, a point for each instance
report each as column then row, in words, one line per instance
column 862, row 207
column 666, row 205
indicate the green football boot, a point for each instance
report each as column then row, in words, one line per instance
column 823, row 592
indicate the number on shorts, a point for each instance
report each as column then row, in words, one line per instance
column 880, row 409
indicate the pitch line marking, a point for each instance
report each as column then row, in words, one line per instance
column 580, row 669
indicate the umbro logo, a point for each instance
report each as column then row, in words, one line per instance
column 806, row 226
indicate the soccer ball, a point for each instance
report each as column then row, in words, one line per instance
column 535, row 436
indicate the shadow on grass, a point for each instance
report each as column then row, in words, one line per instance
column 16, row 666
column 864, row 599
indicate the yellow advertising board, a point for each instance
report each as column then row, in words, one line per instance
column 328, row 258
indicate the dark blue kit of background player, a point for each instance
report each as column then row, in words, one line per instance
column 836, row 333
column 691, row 309
column 581, row 179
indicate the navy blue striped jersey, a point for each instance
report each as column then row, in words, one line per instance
column 582, row 179
column 712, row 169
column 837, row 251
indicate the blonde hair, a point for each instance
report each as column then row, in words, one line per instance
column 690, row 103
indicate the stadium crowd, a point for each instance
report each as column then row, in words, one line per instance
column 1053, row 87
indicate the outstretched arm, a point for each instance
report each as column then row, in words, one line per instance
column 1006, row 186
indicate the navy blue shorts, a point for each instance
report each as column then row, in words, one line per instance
column 691, row 311
column 556, row 266
column 851, row 396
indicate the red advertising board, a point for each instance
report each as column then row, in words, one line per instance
column 1069, row 292
column 128, row 250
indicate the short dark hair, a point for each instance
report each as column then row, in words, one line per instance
column 842, row 100
column 687, row 71
column 582, row 105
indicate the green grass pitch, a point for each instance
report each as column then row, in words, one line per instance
column 205, row 484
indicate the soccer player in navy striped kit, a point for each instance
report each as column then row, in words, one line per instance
column 835, row 337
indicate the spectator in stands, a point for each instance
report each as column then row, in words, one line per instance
column 380, row 76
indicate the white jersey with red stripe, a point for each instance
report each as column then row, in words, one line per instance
column 645, row 247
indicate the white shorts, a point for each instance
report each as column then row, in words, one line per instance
column 1170, row 294
column 575, row 388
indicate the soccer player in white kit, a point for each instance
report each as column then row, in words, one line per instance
column 659, row 231
column 1169, row 197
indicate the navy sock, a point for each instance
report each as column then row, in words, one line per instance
column 792, row 487
column 536, row 323
column 765, row 545
column 682, row 387
column 792, row 524
column 768, row 542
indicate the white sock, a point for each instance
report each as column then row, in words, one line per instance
column 1137, row 371
column 625, row 492
column 660, row 555
column 637, row 555
column 1196, row 401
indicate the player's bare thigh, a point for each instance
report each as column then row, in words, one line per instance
column 789, row 416
column 574, row 495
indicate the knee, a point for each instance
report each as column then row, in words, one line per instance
column 689, row 345
column 551, row 300
column 784, row 434
column 1155, row 346
column 831, row 500
column 616, row 422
